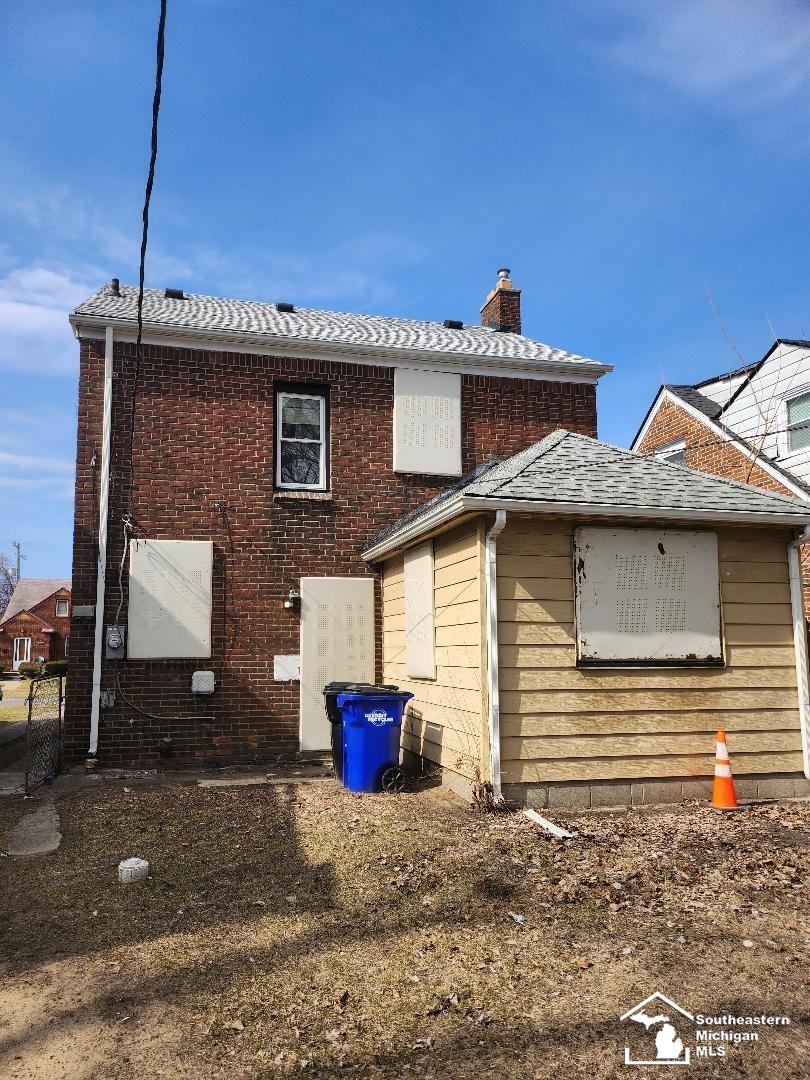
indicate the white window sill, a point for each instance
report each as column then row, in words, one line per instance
column 297, row 493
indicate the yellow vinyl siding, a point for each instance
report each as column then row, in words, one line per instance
column 559, row 722
column 444, row 722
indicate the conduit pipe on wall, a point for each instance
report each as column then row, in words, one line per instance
column 491, row 580
column 800, row 641
column 103, row 511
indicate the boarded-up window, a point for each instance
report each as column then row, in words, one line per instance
column 647, row 596
column 420, row 659
column 427, row 422
column 169, row 599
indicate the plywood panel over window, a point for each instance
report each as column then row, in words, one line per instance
column 420, row 659
column 427, row 422
column 646, row 595
column 169, row 599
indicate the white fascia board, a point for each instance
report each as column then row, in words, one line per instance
column 573, row 371
column 462, row 504
column 441, row 514
column 696, row 414
column 662, row 513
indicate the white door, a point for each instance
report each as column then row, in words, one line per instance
column 337, row 643
column 22, row 652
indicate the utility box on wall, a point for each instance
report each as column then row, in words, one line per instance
column 170, row 599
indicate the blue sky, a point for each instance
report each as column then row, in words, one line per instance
column 388, row 157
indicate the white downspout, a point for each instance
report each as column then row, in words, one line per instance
column 103, row 510
column 491, row 579
column 800, row 642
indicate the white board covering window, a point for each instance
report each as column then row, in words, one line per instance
column 647, row 596
column 427, row 422
column 420, row 653
column 169, row 599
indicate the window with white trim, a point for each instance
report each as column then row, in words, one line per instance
column 674, row 452
column 62, row 609
column 647, row 596
column 301, row 440
column 797, row 422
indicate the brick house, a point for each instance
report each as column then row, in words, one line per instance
column 36, row 623
column 253, row 452
column 751, row 424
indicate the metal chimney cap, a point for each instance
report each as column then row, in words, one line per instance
column 503, row 273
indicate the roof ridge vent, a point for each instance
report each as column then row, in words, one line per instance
column 175, row 294
column 453, row 324
column 285, row 307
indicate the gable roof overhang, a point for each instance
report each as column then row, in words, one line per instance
column 665, row 394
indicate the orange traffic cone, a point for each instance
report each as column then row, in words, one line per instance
column 724, row 796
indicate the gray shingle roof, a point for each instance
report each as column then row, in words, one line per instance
column 575, row 471
column 697, row 400
column 30, row 592
column 213, row 314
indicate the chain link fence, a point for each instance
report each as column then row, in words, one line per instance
column 43, row 757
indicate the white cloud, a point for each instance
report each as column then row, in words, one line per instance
column 36, row 464
column 54, row 487
column 34, row 332
column 744, row 57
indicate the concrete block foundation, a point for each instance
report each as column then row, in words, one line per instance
column 604, row 794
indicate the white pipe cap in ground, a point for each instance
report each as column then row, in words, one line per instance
column 131, row 870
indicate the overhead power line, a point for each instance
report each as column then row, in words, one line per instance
column 150, row 180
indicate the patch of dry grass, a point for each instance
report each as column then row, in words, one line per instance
column 308, row 931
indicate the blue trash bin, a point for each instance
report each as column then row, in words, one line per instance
column 372, row 731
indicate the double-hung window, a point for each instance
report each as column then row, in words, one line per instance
column 798, row 422
column 301, row 440
column 62, row 608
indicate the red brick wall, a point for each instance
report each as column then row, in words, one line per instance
column 705, row 451
column 203, row 461
column 502, row 310
column 51, row 646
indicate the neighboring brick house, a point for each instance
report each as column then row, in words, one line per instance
column 751, row 424
column 277, row 441
column 36, row 623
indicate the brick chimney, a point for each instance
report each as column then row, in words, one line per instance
column 501, row 308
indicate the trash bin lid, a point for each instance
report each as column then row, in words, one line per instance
column 360, row 688
column 372, row 690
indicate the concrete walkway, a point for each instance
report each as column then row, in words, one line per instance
column 37, row 833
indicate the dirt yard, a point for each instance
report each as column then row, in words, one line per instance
column 303, row 931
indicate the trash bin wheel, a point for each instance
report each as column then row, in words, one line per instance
column 393, row 779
